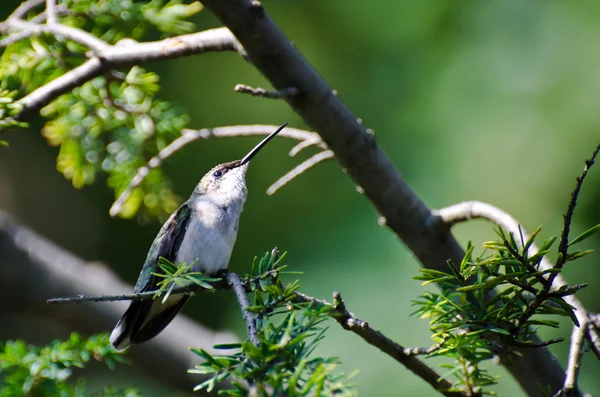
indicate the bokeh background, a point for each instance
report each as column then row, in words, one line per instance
column 496, row 101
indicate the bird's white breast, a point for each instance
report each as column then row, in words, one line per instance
column 210, row 236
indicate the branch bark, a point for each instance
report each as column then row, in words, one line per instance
column 28, row 259
column 403, row 211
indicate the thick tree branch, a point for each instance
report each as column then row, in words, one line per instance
column 357, row 151
column 33, row 269
column 189, row 136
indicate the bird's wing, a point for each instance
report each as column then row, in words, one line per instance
column 166, row 245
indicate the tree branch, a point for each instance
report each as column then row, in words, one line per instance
column 339, row 313
column 261, row 92
column 575, row 355
column 107, row 57
column 189, row 136
column 236, row 285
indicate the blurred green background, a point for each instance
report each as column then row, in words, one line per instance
column 496, row 101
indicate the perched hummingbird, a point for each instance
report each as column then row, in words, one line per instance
column 201, row 232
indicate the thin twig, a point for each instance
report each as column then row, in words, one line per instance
column 237, row 286
column 25, row 7
column 68, row 32
column 299, row 169
column 540, row 344
column 575, row 355
column 593, row 336
column 51, row 12
column 304, row 144
column 261, row 92
column 419, row 351
column 189, row 136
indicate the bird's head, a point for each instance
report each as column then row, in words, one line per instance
column 227, row 182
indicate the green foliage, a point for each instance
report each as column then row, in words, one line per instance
column 492, row 304
column 114, row 123
column 289, row 333
column 179, row 276
column 113, row 20
column 45, row 371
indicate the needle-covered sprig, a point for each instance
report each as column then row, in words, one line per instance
column 493, row 304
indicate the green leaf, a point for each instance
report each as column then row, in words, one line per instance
column 578, row 254
column 585, row 235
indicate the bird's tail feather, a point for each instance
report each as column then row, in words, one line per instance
column 145, row 319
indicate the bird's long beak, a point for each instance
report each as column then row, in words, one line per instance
column 257, row 148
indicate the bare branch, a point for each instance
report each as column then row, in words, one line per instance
column 109, row 57
column 236, row 285
column 420, row 351
column 575, row 355
column 593, row 336
column 261, row 92
column 51, row 12
column 77, row 35
column 299, row 169
column 305, row 144
column 189, row 136
column 25, row 7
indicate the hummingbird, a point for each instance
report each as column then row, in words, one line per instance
column 202, row 232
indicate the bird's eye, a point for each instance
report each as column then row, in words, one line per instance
column 218, row 173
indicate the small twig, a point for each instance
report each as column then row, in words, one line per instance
column 568, row 218
column 14, row 38
column 593, row 336
column 303, row 145
column 261, row 92
column 237, row 286
column 189, row 136
column 419, row 351
column 540, row 344
column 68, row 32
column 124, row 297
column 25, row 7
column 51, row 12
column 299, row 169
column 575, row 355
